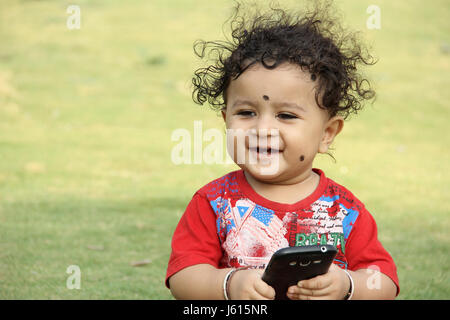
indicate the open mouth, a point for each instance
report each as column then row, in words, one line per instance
column 265, row 151
column 263, row 155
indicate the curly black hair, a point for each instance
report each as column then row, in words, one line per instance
column 313, row 40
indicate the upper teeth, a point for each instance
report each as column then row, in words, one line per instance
column 264, row 150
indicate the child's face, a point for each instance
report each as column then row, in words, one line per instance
column 282, row 99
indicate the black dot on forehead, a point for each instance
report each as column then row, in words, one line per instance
column 313, row 77
column 265, row 97
column 302, row 157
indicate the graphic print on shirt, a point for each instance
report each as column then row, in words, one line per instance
column 253, row 233
column 250, row 233
column 327, row 222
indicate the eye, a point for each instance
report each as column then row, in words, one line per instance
column 286, row 116
column 246, row 113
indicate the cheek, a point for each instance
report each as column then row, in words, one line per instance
column 233, row 123
column 301, row 148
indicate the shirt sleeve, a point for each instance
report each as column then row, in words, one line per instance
column 364, row 250
column 195, row 240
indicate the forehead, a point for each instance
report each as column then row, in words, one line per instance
column 285, row 82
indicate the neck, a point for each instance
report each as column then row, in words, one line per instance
column 289, row 191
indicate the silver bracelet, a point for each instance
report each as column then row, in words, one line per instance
column 351, row 290
column 226, row 280
column 225, row 283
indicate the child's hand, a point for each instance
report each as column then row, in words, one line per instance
column 248, row 285
column 332, row 285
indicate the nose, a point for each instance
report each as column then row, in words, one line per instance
column 265, row 122
column 265, row 130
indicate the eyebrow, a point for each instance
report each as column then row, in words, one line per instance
column 291, row 105
column 243, row 102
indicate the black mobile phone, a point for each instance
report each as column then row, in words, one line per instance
column 290, row 265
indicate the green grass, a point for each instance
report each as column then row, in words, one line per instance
column 86, row 118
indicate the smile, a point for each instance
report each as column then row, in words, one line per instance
column 264, row 155
column 265, row 151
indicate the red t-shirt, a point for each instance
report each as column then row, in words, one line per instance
column 227, row 224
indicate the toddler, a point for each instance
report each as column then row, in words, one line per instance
column 284, row 84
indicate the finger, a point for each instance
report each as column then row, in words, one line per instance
column 313, row 292
column 316, row 283
column 255, row 295
column 296, row 293
column 264, row 289
column 303, row 297
column 295, row 296
column 293, row 289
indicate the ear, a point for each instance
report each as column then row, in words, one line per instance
column 331, row 130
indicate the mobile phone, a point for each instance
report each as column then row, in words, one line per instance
column 290, row 265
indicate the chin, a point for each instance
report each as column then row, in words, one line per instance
column 264, row 173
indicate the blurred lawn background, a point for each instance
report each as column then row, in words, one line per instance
column 86, row 118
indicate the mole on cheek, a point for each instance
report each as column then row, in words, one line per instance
column 302, row 157
column 266, row 97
